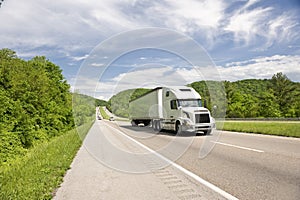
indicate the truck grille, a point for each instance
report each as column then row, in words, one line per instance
column 202, row 118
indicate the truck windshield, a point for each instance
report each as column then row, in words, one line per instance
column 190, row 102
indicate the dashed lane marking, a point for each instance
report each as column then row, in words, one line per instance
column 239, row 147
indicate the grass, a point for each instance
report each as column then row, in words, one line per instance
column 280, row 128
column 41, row 170
column 103, row 113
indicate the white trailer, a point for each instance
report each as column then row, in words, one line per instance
column 172, row 108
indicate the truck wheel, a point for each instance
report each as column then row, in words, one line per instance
column 207, row 132
column 156, row 125
column 178, row 127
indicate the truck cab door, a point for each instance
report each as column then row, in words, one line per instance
column 171, row 108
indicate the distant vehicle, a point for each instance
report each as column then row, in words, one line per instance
column 172, row 108
column 99, row 117
column 111, row 119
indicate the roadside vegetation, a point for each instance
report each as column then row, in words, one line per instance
column 37, row 174
column 35, row 103
column 83, row 108
column 100, row 102
column 103, row 113
column 280, row 128
column 39, row 117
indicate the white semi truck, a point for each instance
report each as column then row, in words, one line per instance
column 176, row 108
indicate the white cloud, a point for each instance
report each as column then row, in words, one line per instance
column 189, row 15
column 154, row 77
column 70, row 25
column 249, row 24
column 282, row 28
column 147, row 77
column 262, row 68
column 105, row 90
column 200, row 73
column 97, row 64
column 62, row 30
column 79, row 58
column 79, row 25
column 192, row 17
column 144, row 78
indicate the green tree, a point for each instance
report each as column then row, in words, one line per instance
column 35, row 102
column 83, row 108
column 268, row 105
column 286, row 93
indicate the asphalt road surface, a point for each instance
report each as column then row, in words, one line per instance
column 118, row 161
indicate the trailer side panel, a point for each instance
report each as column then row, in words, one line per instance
column 146, row 107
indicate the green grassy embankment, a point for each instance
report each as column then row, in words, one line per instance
column 280, row 128
column 41, row 170
column 103, row 113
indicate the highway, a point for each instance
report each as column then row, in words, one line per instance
column 240, row 166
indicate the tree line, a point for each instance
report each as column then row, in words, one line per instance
column 278, row 97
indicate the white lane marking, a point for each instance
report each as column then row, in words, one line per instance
column 262, row 135
column 185, row 171
column 240, row 147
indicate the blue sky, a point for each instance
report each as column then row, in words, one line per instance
column 244, row 39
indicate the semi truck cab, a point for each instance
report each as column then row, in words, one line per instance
column 185, row 112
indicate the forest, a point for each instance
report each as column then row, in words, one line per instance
column 35, row 104
column 277, row 97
